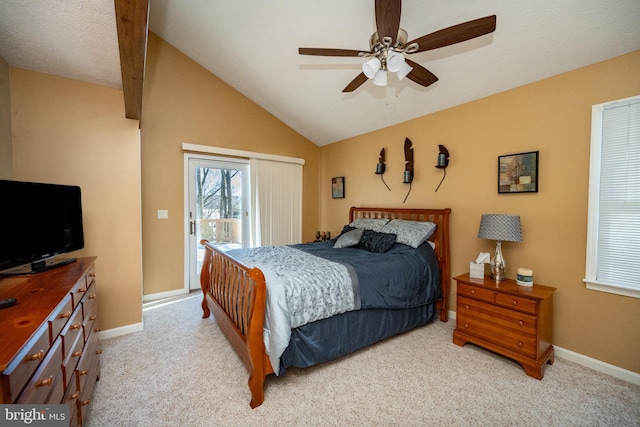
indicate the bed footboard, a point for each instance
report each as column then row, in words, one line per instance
column 236, row 295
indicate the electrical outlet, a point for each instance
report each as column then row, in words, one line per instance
column 163, row 214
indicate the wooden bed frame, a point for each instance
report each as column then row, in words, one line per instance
column 236, row 293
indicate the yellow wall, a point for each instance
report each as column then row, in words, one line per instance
column 68, row 132
column 553, row 117
column 183, row 102
column 5, row 122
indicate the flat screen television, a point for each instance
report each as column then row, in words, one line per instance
column 38, row 222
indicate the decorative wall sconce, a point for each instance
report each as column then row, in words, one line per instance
column 443, row 162
column 380, row 168
column 408, row 165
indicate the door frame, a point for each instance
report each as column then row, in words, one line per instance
column 246, row 202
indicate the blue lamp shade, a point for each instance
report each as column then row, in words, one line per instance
column 500, row 227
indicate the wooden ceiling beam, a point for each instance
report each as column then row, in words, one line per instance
column 132, row 20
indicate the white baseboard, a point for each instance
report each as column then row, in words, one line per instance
column 123, row 330
column 598, row 365
column 588, row 362
column 163, row 295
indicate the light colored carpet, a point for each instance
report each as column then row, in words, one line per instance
column 181, row 371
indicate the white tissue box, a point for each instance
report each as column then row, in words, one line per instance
column 476, row 271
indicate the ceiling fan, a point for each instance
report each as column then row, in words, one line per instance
column 389, row 44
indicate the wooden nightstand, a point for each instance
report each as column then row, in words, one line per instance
column 514, row 321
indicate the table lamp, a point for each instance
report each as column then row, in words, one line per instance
column 500, row 228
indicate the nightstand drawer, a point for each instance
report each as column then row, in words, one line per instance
column 517, row 303
column 502, row 317
column 491, row 331
column 475, row 292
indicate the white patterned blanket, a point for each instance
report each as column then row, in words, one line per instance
column 301, row 288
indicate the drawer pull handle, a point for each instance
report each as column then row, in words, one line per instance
column 514, row 303
column 92, row 318
column 65, row 315
column 48, row 381
column 85, row 402
column 76, row 354
column 83, row 372
column 36, row 356
column 92, row 296
column 520, row 322
column 75, row 326
column 520, row 344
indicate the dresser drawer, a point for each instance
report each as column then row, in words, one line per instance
column 503, row 317
column 60, row 317
column 475, row 292
column 491, row 331
column 71, row 359
column 18, row 372
column 71, row 332
column 46, row 384
column 517, row 303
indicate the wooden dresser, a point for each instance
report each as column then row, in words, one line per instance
column 512, row 320
column 50, row 350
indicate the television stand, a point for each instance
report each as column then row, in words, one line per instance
column 37, row 266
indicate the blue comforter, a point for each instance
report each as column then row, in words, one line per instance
column 402, row 277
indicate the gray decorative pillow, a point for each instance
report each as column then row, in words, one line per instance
column 375, row 241
column 411, row 233
column 374, row 224
column 348, row 239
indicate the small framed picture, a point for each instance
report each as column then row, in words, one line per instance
column 518, row 173
column 337, row 187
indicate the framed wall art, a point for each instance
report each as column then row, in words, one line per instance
column 518, row 173
column 337, row 187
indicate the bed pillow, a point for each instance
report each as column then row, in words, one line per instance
column 411, row 233
column 348, row 239
column 374, row 224
column 375, row 241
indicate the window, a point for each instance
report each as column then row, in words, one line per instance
column 613, row 235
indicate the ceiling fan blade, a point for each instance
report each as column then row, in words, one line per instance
column 421, row 75
column 388, row 18
column 355, row 83
column 456, row 34
column 328, row 52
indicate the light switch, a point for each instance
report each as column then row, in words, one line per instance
column 163, row 214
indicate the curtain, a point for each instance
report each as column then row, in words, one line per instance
column 276, row 202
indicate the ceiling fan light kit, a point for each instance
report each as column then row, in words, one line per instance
column 388, row 46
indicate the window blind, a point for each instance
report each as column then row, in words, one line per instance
column 615, row 251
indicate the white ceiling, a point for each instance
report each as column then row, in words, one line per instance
column 253, row 46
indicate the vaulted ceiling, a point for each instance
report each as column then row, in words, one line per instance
column 253, row 46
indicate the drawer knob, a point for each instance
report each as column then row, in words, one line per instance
column 48, row 381
column 473, row 291
column 74, row 395
column 466, row 325
column 92, row 274
column 83, row 372
column 82, row 290
column 514, row 303
column 520, row 322
column 36, row 356
column 92, row 296
column 76, row 354
column 92, row 318
column 75, row 326
column 65, row 315
column 85, row 402
column 466, row 306
column 98, row 351
column 520, row 344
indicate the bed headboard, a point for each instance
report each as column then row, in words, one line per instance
column 440, row 237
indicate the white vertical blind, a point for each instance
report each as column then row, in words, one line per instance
column 276, row 202
column 615, row 246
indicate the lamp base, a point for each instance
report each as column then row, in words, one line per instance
column 497, row 275
column 498, row 264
